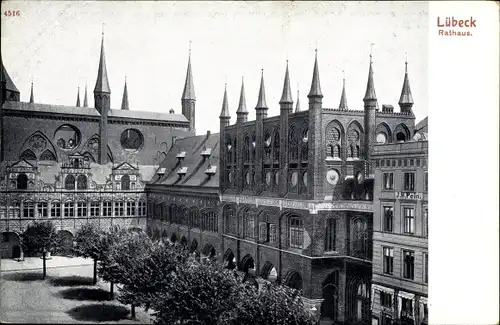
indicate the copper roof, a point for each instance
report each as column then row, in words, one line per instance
column 193, row 163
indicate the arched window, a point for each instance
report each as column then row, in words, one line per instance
column 360, row 240
column 81, row 182
column 210, row 221
column 293, row 144
column 333, row 139
column 22, row 181
column 69, row 182
column 27, row 155
column 230, row 220
column 194, row 217
column 276, row 147
column 354, row 140
column 234, row 152
column 294, row 280
column 296, row 232
column 304, row 146
column 48, row 155
column 249, row 219
column 246, row 153
column 125, row 182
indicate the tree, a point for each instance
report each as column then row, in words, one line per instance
column 88, row 244
column 40, row 237
column 105, row 268
column 273, row 304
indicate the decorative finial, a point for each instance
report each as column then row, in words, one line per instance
column 102, row 29
column 343, row 74
column 262, row 71
column 371, row 50
column 190, row 46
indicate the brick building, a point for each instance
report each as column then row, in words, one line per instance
column 78, row 164
column 293, row 193
column 400, row 232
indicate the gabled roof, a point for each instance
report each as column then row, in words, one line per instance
column 125, row 166
column 22, row 164
column 193, row 163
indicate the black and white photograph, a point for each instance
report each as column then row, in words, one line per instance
column 222, row 163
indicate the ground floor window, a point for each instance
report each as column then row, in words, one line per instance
column 106, row 209
column 29, row 210
column 15, row 210
column 119, row 209
column 142, row 210
column 69, row 209
column 82, row 209
column 55, row 210
column 42, row 209
column 130, row 208
column 94, row 209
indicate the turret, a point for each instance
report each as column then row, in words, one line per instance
column 125, row 96
column 188, row 99
column 102, row 95
column 78, row 97
column 261, row 113
column 286, row 108
column 224, row 119
column 32, row 97
column 406, row 99
column 370, row 106
column 315, row 145
column 242, row 112
column 85, row 99
column 343, row 97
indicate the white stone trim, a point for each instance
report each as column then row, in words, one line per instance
column 384, row 289
column 406, row 295
column 424, row 300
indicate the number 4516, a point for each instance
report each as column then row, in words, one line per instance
column 12, row 13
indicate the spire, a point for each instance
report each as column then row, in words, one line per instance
column 343, row 97
column 406, row 99
column 78, row 98
column 125, row 96
column 315, row 85
column 5, row 78
column 188, row 85
column 85, row 100
column 225, row 107
column 32, row 98
column 261, row 102
column 370, row 88
column 297, row 106
column 242, row 106
column 102, row 83
column 286, row 97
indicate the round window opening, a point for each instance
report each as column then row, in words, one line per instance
column 67, row 137
column 132, row 139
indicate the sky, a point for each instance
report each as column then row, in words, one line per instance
column 57, row 44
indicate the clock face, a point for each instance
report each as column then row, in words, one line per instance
column 381, row 138
column 332, row 177
column 294, row 178
column 131, row 139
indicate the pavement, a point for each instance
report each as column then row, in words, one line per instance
column 66, row 296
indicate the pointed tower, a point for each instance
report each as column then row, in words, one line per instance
column 260, row 114
column 370, row 107
column 242, row 112
column 32, row 97
column 286, row 108
column 315, row 172
column 188, row 99
column 406, row 99
column 125, row 96
column 85, row 99
column 78, row 98
column 224, row 119
column 343, row 97
column 9, row 89
column 102, row 94
column 297, row 106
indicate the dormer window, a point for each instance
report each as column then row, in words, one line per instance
column 181, row 155
column 206, row 153
column 211, row 170
column 161, row 171
column 182, row 171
